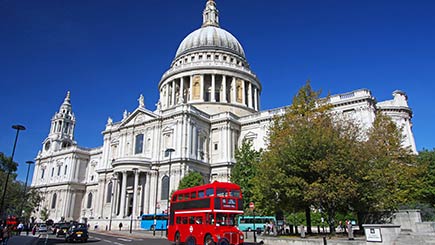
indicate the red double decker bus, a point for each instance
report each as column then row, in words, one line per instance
column 206, row 215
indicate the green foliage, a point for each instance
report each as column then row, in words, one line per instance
column 327, row 162
column 426, row 164
column 44, row 213
column 244, row 170
column 386, row 172
column 15, row 199
column 190, row 180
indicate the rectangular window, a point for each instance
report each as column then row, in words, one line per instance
column 215, row 147
column 193, row 195
column 191, row 220
column 42, row 173
column 221, row 192
column 52, row 172
column 58, row 170
column 139, row 144
column 200, row 194
column 66, row 168
column 209, row 192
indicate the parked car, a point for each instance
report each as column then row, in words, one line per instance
column 77, row 234
column 42, row 228
column 62, row 230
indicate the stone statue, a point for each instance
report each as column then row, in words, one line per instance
column 141, row 101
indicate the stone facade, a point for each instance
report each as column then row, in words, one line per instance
column 209, row 103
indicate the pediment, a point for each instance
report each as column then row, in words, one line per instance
column 139, row 116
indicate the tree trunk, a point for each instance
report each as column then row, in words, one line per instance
column 331, row 221
column 308, row 219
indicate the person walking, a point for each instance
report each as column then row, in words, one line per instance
column 7, row 233
column 120, row 225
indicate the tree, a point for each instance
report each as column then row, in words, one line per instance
column 190, row 180
column 386, row 172
column 45, row 213
column 309, row 159
column 426, row 163
column 244, row 170
column 15, row 196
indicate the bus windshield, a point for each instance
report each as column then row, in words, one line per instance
column 225, row 219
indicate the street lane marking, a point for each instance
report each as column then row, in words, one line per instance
column 124, row 240
column 107, row 241
column 117, row 243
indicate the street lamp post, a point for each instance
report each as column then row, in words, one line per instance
column 18, row 128
column 25, row 186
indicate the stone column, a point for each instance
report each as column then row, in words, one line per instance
column 182, row 90
column 168, row 97
column 224, row 88
column 250, row 95
column 201, row 97
column 234, row 88
column 191, row 88
column 123, row 193
column 136, row 182
column 243, row 93
column 173, row 93
column 114, row 198
column 213, row 81
column 255, row 98
column 147, row 193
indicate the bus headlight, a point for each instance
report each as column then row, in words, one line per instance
column 241, row 237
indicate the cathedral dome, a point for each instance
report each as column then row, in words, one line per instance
column 210, row 37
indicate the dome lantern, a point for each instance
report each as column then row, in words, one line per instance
column 210, row 15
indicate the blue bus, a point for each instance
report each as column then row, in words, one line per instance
column 246, row 223
column 151, row 221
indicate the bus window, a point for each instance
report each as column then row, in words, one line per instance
column 191, row 220
column 178, row 220
column 209, row 192
column 200, row 194
column 184, row 220
column 174, row 198
column 186, row 196
column 180, row 197
column 235, row 193
column 198, row 220
column 210, row 219
column 193, row 195
column 221, row 193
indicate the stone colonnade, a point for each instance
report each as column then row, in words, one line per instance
column 133, row 193
column 210, row 88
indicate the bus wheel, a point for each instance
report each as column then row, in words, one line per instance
column 177, row 238
column 223, row 241
column 208, row 240
column 190, row 241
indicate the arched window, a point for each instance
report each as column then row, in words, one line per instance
column 165, row 187
column 89, row 200
column 53, row 201
column 139, row 144
column 109, row 192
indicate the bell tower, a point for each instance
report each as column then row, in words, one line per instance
column 61, row 133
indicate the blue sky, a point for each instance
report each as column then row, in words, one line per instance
column 109, row 52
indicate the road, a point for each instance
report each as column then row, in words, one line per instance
column 94, row 239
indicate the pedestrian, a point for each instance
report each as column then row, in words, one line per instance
column 34, row 230
column 120, row 225
column 6, row 234
column 27, row 228
column 20, row 228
